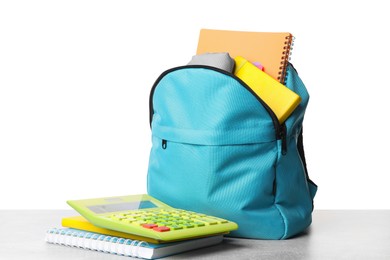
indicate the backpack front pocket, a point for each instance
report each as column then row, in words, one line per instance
column 213, row 178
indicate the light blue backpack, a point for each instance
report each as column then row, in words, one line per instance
column 219, row 149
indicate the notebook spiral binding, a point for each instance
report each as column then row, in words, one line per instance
column 95, row 242
column 286, row 57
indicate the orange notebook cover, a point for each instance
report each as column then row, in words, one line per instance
column 271, row 49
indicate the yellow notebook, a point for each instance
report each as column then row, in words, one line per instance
column 271, row 49
column 79, row 222
column 278, row 97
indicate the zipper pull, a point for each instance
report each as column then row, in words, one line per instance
column 164, row 144
column 283, row 138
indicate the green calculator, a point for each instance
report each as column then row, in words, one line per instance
column 146, row 216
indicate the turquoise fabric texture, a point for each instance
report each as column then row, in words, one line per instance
column 218, row 149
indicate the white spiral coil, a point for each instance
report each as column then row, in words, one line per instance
column 95, row 242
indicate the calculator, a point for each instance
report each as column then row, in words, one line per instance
column 146, row 216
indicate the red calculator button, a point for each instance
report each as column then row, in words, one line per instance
column 150, row 226
column 161, row 229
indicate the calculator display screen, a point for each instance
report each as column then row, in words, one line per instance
column 107, row 208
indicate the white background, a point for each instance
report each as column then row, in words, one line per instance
column 75, row 78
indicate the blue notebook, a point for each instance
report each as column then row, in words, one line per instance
column 122, row 246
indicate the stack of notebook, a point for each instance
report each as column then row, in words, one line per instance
column 78, row 232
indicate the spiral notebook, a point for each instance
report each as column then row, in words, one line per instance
column 122, row 246
column 271, row 49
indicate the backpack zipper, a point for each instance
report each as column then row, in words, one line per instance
column 283, row 133
column 280, row 129
column 164, row 144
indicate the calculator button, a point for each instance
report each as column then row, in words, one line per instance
column 115, row 217
column 187, row 225
column 128, row 221
column 175, row 227
column 161, row 229
column 220, row 220
column 199, row 224
column 149, row 226
column 206, row 221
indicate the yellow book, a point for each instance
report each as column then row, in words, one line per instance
column 79, row 222
column 278, row 97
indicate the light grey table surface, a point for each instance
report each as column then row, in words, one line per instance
column 334, row 234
